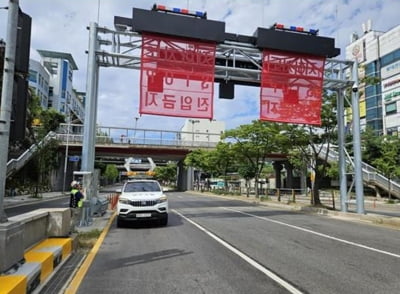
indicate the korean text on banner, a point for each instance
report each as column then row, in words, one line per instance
column 291, row 87
column 177, row 77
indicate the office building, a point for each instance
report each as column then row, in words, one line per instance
column 202, row 130
column 378, row 54
column 51, row 79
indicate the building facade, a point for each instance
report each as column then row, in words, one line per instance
column 39, row 79
column 202, row 130
column 378, row 54
column 51, row 79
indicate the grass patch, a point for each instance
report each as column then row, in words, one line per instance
column 86, row 240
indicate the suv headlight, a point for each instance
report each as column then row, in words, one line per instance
column 162, row 199
column 123, row 200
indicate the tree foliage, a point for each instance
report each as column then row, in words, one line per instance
column 308, row 146
column 388, row 162
column 111, row 172
column 253, row 143
column 39, row 123
column 166, row 174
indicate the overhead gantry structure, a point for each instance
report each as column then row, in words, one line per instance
column 238, row 60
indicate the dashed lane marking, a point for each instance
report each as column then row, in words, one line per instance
column 316, row 233
column 246, row 258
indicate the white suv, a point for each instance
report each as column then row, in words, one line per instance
column 142, row 199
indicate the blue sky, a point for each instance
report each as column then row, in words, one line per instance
column 60, row 25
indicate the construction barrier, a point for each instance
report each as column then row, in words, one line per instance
column 39, row 263
column 113, row 200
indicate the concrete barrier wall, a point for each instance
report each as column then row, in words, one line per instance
column 26, row 230
column 35, row 226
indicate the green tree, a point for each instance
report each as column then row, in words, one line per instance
column 166, row 174
column 253, row 143
column 388, row 161
column 46, row 158
column 222, row 160
column 199, row 159
column 372, row 145
column 247, row 172
column 309, row 146
column 111, row 172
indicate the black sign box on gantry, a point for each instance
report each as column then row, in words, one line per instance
column 177, row 25
column 296, row 42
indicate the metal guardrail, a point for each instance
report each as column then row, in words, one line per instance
column 15, row 164
column 370, row 174
column 73, row 134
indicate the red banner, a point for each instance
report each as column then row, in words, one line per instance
column 177, row 77
column 291, row 87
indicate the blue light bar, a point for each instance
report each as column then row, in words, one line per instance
column 180, row 11
column 278, row 26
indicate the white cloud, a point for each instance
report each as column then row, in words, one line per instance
column 60, row 25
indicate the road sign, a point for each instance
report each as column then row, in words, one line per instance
column 74, row 158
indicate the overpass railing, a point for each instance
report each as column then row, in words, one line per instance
column 15, row 164
column 370, row 174
column 73, row 134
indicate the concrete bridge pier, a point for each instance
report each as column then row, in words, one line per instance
column 185, row 177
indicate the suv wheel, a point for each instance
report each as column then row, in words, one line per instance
column 164, row 221
column 120, row 223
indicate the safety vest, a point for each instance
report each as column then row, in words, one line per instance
column 80, row 202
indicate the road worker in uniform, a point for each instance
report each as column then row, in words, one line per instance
column 75, row 203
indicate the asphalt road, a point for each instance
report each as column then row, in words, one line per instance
column 213, row 245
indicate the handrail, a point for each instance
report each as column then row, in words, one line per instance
column 139, row 136
column 15, row 164
column 370, row 174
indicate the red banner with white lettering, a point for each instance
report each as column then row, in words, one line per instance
column 176, row 77
column 291, row 87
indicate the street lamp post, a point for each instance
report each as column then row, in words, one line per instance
column 66, row 149
column 134, row 131
column 193, row 121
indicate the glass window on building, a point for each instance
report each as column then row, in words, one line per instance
column 391, row 108
column 370, row 69
column 390, row 58
column 376, row 125
column 372, row 113
column 371, row 102
column 33, row 76
column 393, row 131
column 370, row 91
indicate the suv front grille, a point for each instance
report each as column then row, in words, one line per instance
column 143, row 203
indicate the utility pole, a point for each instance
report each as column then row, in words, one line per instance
column 357, row 141
column 6, row 98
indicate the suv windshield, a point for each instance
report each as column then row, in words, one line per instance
column 142, row 187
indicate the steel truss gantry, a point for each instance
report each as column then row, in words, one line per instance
column 240, row 63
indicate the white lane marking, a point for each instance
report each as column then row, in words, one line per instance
column 316, row 233
column 246, row 258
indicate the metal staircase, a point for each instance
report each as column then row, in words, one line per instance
column 371, row 175
column 15, row 164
